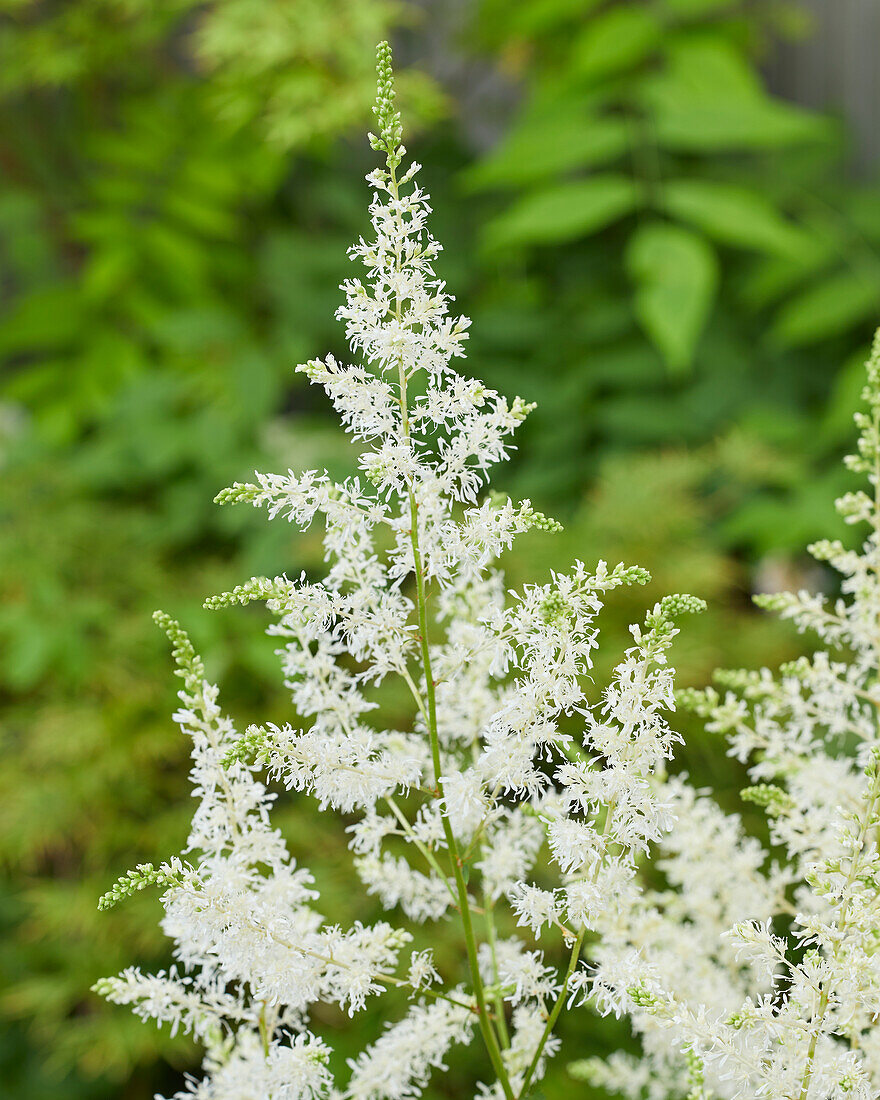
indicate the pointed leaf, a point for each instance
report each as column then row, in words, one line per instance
column 734, row 215
column 828, row 308
column 709, row 98
column 547, row 144
column 564, row 212
column 615, row 40
column 675, row 272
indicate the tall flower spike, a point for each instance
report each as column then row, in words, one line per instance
column 449, row 811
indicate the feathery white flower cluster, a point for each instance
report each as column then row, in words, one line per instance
column 752, row 978
column 471, row 789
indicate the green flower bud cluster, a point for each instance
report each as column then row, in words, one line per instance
column 750, row 683
column 643, row 997
column 390, row 126
column 375, row 473
column 799, row 668
column 312, row 369
column 868, row 457
column 659, row 622
column 189, row 663
column 695, row 1075
column 871, row 389
column 681, row 604
column 588, row 1070
column 254, row 745
column 630, row 574
column 737, row 679
column 774, row 601
column 774, row 800
column 826, row 549
column 145, row 874
column 855, row 507
column 521, row 409
column 239, row 493
column 554, row 608
column 702, row 701
column 257, row 588
column 538, row 520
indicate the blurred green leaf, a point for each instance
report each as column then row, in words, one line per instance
column 863, row 210
column 301, row 70
column 836, row 423
column 45, row 320
column 692, row 8
column 709, row 99
column 534, row 16
column 778, row 276
column 549, row 143
column 615, row 40
column 734, row 215
column 826, row 307
column 675, row 272
column 564, row 212
column 179, row 191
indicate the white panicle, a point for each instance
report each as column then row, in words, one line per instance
column 397, row 1066
column 504, row 760
column 748, row 976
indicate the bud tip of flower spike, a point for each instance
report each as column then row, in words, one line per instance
column 388, row 119
column 681, row 604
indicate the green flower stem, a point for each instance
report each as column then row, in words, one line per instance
column 501, row 1022
column 486, row 1028
column 554, row 1014
column 264, row 1030
column 423, row 848
column 488, row 1032
column 563, row 993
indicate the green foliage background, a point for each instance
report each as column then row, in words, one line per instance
column 674, row 263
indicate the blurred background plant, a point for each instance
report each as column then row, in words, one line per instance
column 680, row 266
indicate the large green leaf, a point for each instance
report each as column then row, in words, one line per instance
column 549, row 143
column 691, row 8
column 828, row 308
column 617, row 39
column 532, row 16
column 675, row 272
column 564, row 212
column 779, row 276
column 734, row 215
column 708, row 98
column 46, row 319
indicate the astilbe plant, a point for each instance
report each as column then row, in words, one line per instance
column 750, row 976
column 478, row 787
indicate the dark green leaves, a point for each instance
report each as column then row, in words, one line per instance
column 635, row 107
